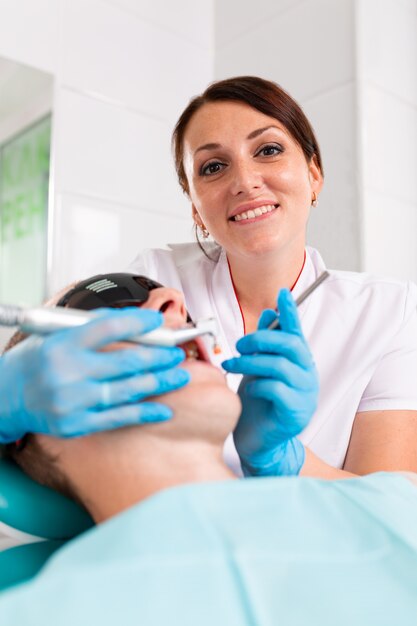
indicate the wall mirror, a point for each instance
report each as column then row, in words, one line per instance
column 25, row 140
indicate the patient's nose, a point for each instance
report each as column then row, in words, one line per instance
column 171, row 303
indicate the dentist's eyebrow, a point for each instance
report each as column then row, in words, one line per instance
column 259, row 131
column 252, row 135
column 208, row 146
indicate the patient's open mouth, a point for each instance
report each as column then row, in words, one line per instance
column 195, row 350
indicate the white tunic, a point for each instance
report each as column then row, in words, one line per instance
column 361, row 329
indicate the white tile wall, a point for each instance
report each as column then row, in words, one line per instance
column 235, row 18
column 193, row 21
column 410, row 5
column 388, row 34
column 390, row 233
column 131, row 61
column 93, row 236
column 334, row 226
column 390, row 131
column 112, row 153
column 29, row 32
column 307, row 49
column 387, row 64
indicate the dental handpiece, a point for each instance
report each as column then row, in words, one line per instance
column 43, row 321
column 303, row 296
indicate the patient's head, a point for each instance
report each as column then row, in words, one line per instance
column 183, row 449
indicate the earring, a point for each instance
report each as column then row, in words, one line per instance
column 314, row 200
column 199, row 224
column 204, row 231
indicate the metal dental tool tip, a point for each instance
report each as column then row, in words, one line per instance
column 312, row 287
column 173, row 337
column 303, row 296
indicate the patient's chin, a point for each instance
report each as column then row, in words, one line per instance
column 203, row 372
column 205, row 408
column 205, row 380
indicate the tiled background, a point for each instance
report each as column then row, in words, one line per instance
column 124, row 69
column 387, row 78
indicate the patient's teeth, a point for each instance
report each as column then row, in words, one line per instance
column 264, row 209
column 258, row 211
column 192, row 353
column 251, row 213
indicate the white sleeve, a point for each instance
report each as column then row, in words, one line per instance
column 394, row 383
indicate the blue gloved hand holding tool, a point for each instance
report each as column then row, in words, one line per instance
column 279, row 393
column 64, row 385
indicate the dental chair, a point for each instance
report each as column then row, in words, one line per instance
column 34, row 522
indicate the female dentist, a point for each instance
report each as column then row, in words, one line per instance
column 247, row 158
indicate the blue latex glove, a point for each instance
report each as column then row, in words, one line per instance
column 63, row 385
column 279, row 393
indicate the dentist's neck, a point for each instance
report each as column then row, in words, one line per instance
column 257, row 280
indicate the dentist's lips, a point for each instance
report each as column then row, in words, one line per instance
column 255, row 212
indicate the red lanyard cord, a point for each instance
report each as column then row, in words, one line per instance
column 235, row 292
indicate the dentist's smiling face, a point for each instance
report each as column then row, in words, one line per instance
column 249, row 181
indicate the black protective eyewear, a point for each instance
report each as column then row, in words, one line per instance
column 109, row 290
